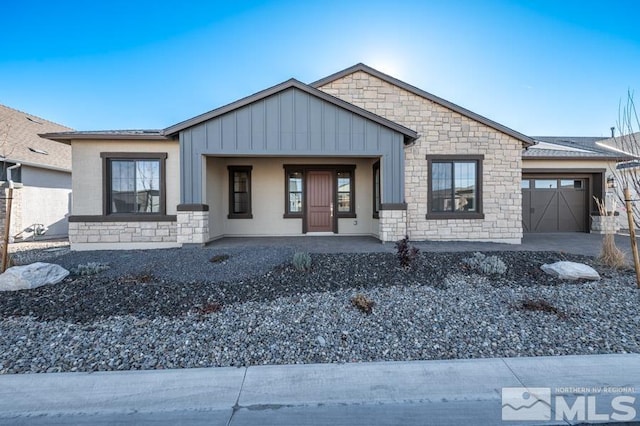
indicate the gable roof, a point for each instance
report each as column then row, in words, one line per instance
column 526, row 140
column 20, row 141
column 408, row 133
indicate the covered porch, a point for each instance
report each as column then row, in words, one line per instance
column 291, row 161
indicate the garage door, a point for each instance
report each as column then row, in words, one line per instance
column 554, row 205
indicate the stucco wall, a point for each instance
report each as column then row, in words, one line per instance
column 87, row 166
column 268, row 197
column 46, row 199
column 443, row 131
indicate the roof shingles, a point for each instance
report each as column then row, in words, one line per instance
column 20, row 140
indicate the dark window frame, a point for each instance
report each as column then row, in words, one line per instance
column 108, row 157
column 478, row 159
column 335, row 168
column 377, row 192
column 232, row 171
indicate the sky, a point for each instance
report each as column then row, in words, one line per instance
column 556, row 68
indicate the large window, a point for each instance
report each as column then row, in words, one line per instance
column 134, row 183
column 240, row 192
column 455, row 184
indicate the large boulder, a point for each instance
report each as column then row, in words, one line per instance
column 31, row 276
column 571, row 271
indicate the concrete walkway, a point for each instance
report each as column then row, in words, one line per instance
column 572, row 242
column 385, row 393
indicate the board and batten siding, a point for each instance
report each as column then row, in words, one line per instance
column 291, row 123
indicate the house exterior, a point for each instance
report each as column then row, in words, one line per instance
column 356, row 153
column 42, row 194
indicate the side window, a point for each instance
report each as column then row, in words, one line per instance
column 240, row 192
column 376, row 189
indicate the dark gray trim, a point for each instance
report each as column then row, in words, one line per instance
column 453, row 215
column 408, row 133
column 232, row 170
column 393, row 206
column 447, row 215
column 193, row 208
column 526, row 140
column 106, row 177
column 123, row 218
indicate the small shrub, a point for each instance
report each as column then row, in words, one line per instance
column 405, row 252
column 90, row 268
column 209, row 308
column 219, row 258
column 302, row 261
column 361, row 302
column 488, row 265
column 541, row 305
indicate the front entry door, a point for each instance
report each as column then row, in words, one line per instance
column 320, row 201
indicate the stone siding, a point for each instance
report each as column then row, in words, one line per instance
column 392, row 225
column 193, row 227
column 442, row 131
column 122, row 232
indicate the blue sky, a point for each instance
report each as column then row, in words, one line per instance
column 539, row 67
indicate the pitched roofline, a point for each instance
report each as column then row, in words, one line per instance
column 67, row 137
column 408, row 133
column 526, row 140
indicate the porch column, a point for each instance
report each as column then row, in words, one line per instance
column 193, row 224
column 392, row 222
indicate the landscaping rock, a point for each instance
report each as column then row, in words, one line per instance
column 31, row 276
column 571, row 271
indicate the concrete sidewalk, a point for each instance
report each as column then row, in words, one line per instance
column 383, row 393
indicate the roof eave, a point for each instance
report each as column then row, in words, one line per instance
column 36, row 165
column 67, row 137
column 526, row 140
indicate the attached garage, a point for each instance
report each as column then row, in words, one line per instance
column 560, row 177
column 555, row 203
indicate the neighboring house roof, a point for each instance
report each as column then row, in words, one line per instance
column 67, row 137
column 408, row 133
column 20, row 141
column 526, row 140
column 628, row 145
column 570, row 148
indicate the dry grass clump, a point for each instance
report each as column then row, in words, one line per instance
column 610, row 254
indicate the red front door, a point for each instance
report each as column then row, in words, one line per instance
column 320, row 201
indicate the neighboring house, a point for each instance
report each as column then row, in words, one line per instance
column 43, row 181
column 356, row 153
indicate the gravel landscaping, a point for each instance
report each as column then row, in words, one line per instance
column 181, row 308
